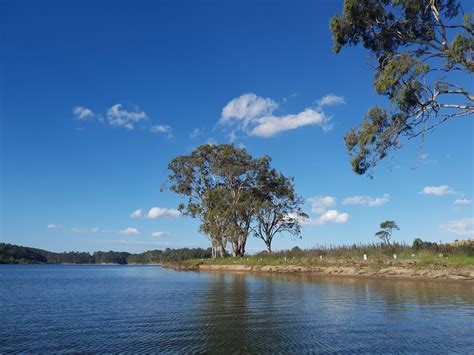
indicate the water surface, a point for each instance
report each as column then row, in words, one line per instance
column 103, row 308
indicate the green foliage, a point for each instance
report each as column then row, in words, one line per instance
column 234, row 194
column 417, row 46
column 386, row 231
column 160, row 256
column 14, row 254
column 278, row 207
column 217, row 180
column 419, row 244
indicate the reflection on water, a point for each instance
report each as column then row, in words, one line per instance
column 149, row 309
column 301, row 313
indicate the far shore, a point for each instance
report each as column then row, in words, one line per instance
column 393, row 271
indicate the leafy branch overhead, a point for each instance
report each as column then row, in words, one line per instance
column 423, row 53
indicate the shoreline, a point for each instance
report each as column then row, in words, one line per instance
column 462, row 274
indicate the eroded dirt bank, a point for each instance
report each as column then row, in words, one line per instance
column 465, row 274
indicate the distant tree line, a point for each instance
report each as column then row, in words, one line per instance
column 14, row 254
column 235, row 196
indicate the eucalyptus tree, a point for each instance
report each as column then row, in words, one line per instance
column 386, row 231
column 217, row 180
column 278, row 206
column 191, row 177
column 237, row 171
column 214, row 220
column 423, row 58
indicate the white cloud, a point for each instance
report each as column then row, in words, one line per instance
column 85, row 230
column 247, row 107
column 156, row 212
column 463, row 226
column 137, row 213
column 333, row 216
column 270, row 126
column 462, row 201
column 130, row 230
column 437, row 190
column 330, row 99
column 330, row 216
column 256, row 116
column 320, row 204
column 54, row 226
column 117, row 116
column 367, row 200
column 159, row 234
column 82, row 113
column 160, row 128
column 133, row 242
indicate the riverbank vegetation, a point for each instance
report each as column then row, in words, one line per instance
column 419, row 254
column 14, row 254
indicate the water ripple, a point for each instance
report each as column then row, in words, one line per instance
column 147, row 309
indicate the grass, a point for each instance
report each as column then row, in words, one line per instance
column 378, row 256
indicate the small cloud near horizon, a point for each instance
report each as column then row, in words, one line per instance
column 464, row 227
column 54, row 226
column 155, row 212
column 437, row 190
column 159, row 234
column 462, row 201
column 130, row 230
column 367, row 200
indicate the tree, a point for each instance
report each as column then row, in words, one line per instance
column 238, row 171
column 422, row 49
column 278, row 206
column 218, row 180
column 191, row 176
column 234, row 194
column 214, row 221
column 386, row 231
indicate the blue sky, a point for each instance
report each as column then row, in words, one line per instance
column 97, row 97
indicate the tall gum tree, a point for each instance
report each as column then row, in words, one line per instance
column 216, row 179
column 234, row 195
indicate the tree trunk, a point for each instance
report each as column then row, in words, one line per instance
column 235, row 248
column 222, row 251
column 269, row 247
column 268, row 243
column 241, row 246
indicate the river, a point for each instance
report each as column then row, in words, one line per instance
column 112, row 308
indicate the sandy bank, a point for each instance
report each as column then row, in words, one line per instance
column 465, row 274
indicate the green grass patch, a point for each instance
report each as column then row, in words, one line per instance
column 378, row 261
